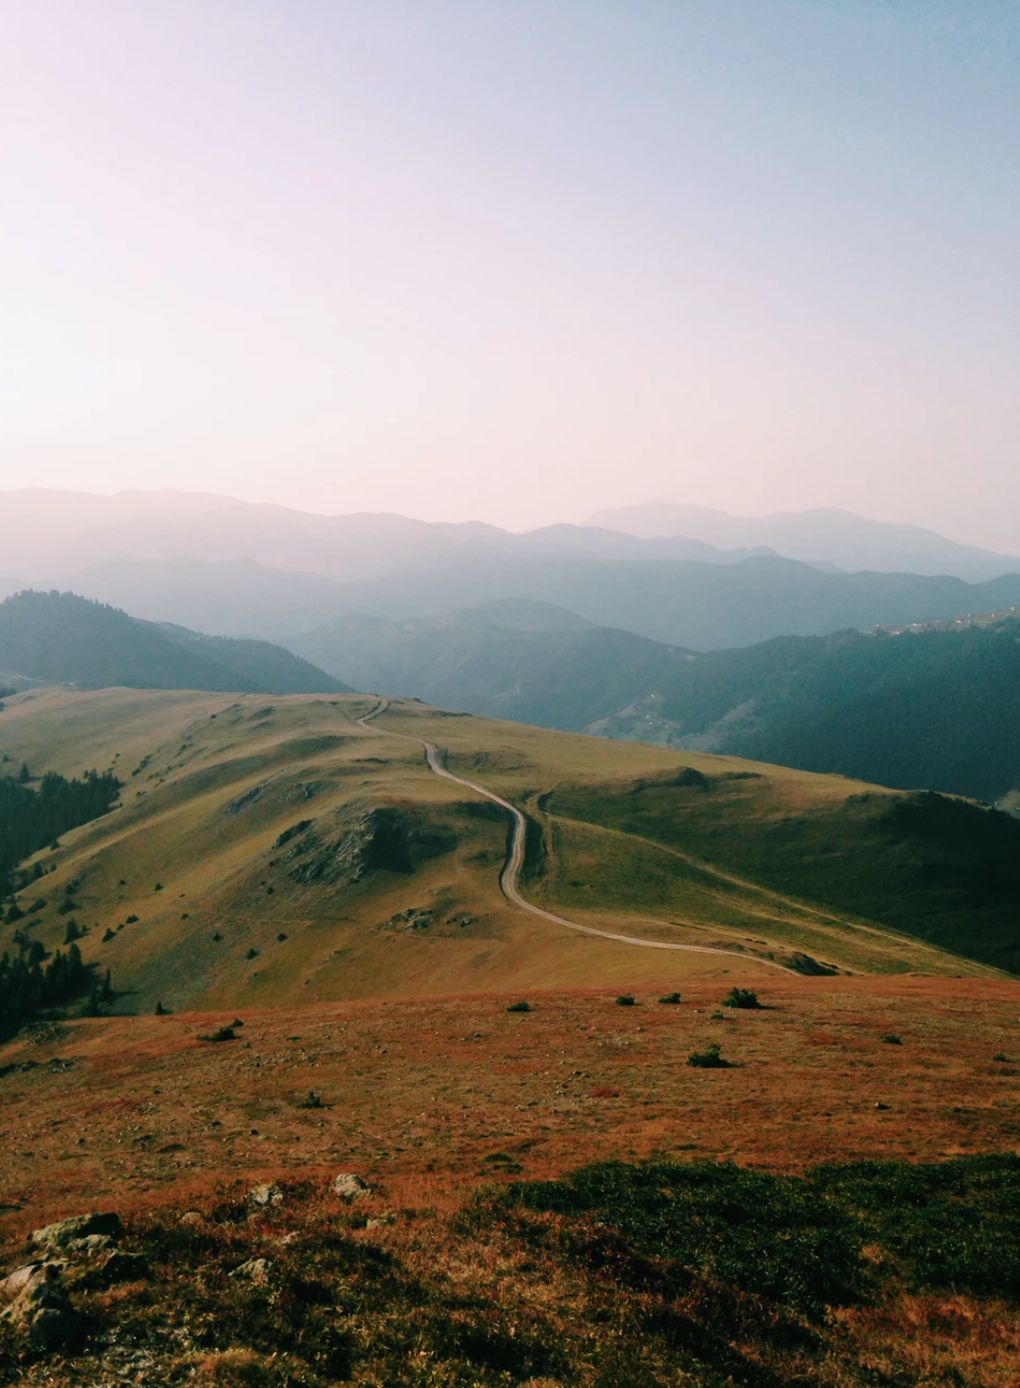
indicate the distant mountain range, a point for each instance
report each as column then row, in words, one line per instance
column 52, row 536
column 231, row 568
column 62, row 638
column 682, row 602
column 934, row 708
column 828, row 534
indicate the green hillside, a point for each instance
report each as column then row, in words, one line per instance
column 277, row 851
column 527, row 661
column 59, row 637
column 932, row 708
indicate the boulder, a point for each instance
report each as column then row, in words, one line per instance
column 83, row 1233
column 349, row 1186
column 19, row 1281
column 41, row 1309
column 262, row 1197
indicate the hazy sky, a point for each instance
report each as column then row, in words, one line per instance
column 516, row 260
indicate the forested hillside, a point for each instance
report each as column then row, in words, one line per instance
column 63, row 638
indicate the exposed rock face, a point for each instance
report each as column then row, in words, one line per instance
column 86, row 1233
column 386, row 839
column 347, row 1185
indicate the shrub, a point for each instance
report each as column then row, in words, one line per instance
column 744, row 998
column 220, row 1034
column 312, row 1100
column 1001, row 1057
column 670, row 999
column 161, row 1011
column 519, row 1007
column 708, row 1059
column 891, row 1039
column 625, row 1000
column 252, row 953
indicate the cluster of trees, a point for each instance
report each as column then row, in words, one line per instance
column 32, row 818
column 30, row 984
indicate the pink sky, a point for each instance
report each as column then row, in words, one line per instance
column 515, row 262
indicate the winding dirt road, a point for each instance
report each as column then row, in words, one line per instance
column 509, row 877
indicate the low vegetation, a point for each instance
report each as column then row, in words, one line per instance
column 643, row 1274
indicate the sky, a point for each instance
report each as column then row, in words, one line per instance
column 516, row 260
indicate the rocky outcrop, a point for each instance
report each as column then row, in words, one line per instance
column 85, row 1233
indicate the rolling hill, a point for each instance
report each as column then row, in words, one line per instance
column 936, row 708
column 270, row 853
column 61, row 637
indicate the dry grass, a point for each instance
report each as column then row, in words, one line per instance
column 422, row 1093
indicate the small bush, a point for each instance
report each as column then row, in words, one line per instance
column 158, row 887
column 519, row 1007
column 670, row 999
column 708, row 1059
column 130, row 920
column 252, row 953
column 312, row 1100
column 744, row 998
column 625, row 1000
column 220, row 1034
column 1001, row 1057
column 891, row 1039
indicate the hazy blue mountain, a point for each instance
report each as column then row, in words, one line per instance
column 63, row 638
column 236, row 597
column 66, row 537
column 529, row 662
column 691, row 604
column 828, row 534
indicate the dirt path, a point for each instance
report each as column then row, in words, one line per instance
column 509, row 878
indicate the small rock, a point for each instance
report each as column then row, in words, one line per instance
column 265, row 1195
column 349, row 1186
column 76, row 1233
column 256, row 1270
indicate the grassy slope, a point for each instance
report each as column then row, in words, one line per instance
column 218, row 779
